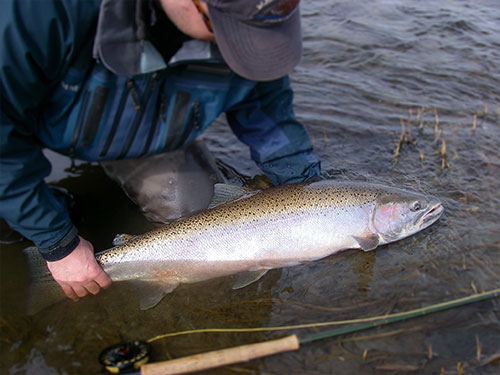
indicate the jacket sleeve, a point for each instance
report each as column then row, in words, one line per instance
column 279, row 144
column 39, row 40
column 25, row 201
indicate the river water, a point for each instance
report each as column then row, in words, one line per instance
column 392, row 91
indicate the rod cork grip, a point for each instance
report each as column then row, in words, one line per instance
column 218, row 358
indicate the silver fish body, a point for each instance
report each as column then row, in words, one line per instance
column 266, row 229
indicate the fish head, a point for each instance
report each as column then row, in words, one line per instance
column 399, row 214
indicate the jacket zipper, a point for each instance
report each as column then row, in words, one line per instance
column 133, row 93
column 140, row 107
column 158, row 117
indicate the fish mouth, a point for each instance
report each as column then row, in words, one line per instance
column 433, row 213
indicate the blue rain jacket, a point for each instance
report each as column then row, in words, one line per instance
column 54, row 94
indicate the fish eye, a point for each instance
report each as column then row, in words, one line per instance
column 415, row 206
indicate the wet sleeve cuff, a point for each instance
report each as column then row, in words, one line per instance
column 300, row 167
column 63, row 248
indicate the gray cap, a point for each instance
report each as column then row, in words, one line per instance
column 259, row 39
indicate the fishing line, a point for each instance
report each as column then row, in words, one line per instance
column 368, row 321
column 131, row 357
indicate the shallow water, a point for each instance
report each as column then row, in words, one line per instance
column 422, row 75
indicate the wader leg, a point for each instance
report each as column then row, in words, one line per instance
column 168, row 186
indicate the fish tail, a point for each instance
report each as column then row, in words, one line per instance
column 43, row 290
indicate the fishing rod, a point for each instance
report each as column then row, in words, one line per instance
column 131, row 358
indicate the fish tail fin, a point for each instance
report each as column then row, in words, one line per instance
column 43, row 290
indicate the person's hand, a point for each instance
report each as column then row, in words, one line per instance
column 78, row 273
column 185, row 16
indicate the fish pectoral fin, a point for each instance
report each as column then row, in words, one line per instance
column 152, row 292
column 246, row 278
column 225, row 192
column 368, row 242
column 121, row 238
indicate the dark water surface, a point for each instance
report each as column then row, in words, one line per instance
column 392, row 91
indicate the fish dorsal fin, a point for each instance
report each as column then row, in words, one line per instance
column 368, row 241
column 121, row 238
column 246, row 278
column 225, row 192
column 152, row 292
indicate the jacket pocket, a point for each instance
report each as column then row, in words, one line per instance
column 94, row 115
column 177, row 124
column 158, row 118
column 116, row 121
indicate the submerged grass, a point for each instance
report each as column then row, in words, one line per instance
column 367, row 322
column 406, row 138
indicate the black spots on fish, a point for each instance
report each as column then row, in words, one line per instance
column 362, row 195
column 283, row 201
column 254, row 220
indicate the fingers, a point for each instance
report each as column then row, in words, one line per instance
column 70, row 293
column 103, row 280
column 92, row 288
column 78, row 273
column 80, row 291
column 77, row 291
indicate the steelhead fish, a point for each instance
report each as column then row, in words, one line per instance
column 259, row 230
